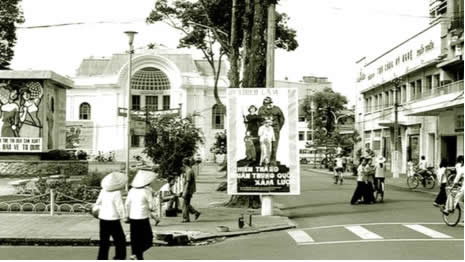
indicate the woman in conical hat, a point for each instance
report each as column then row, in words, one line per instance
column 111, row 211
column 140, row 205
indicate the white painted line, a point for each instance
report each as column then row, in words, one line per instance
column 300, row 236
column 380, row 241
column 428, row 231
column 375, row 224
column 363, row 233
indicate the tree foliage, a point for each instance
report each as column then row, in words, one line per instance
column 329, row 105
column 169, row 140
column 207, row 24
column 10, row 15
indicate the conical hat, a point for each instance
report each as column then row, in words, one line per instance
column 143, row 178
column 380, row 159
column 114, row 181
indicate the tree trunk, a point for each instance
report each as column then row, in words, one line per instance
column 234, row 73
column 256, row 68
column 254, row 48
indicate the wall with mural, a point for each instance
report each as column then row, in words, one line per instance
column 32, row 115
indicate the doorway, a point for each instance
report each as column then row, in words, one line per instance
column 449, row 149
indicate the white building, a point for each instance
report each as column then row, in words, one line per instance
column 161, row 79
column 429, row 97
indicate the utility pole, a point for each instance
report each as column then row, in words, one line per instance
column 267, row 200
column 395, row 168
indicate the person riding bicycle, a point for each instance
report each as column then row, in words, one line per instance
column 452, row 201
column 423, row 169
column 339, row 169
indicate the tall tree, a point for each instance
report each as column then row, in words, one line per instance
column 214, row 25
column 10, row 15
column 329, row 105
column 234, row 25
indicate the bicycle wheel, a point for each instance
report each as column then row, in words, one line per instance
column 453, row 218
column 412, row 182
column 430, row 182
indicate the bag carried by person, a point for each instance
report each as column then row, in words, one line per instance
column 171, row 212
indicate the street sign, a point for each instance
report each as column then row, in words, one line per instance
column 142, row 114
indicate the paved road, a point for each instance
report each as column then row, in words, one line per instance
column 406, row 226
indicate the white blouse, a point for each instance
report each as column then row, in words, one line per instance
column 139, row 203
column 111, row 205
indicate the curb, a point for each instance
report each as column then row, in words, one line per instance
column 175, row 239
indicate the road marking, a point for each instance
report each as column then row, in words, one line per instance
column 363, row 233
column 300, row 236
column 427, row 231
column 380, row 241
column 375, row 224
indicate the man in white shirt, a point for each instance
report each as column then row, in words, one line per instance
column 168, row 195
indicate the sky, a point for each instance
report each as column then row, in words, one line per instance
column 332, row 34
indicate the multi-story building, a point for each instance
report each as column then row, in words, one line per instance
column 417, row 85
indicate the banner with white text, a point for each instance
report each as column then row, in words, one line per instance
column 262, row 141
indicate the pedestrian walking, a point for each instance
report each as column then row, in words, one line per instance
column 189, row 189
column 379, row 177
column 111, row 211
column 361, row 182
column 442, row 178
column 339, row 169
column 140, row 205
column 369, row 197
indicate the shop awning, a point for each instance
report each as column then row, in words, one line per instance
column 443, row 103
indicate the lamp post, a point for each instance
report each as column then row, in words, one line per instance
column 130, row 35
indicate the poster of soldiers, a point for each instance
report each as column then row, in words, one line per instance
column 262, row 141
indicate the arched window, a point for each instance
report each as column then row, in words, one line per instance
column 84, row 111
column 218, row 113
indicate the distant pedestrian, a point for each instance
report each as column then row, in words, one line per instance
column 189, row 189
column 442, row 178
column 168, row 195
column 339, row 169
column 140, row 205
column 111, row 211
column 361, row 182
column 369, row 196
column 380, row 176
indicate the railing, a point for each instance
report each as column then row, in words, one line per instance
column 439, row 90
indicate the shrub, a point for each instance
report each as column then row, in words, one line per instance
column 81, row 155
column 169, row 140
column 58, row 154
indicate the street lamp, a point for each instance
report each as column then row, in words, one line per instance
column 130, row 35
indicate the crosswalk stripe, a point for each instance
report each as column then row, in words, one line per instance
column 362, row 232
column 300, row 236
column 427, row 231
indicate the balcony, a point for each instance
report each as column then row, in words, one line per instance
column 439, row 90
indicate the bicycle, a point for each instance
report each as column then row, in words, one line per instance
column 427, row 180
column 338, row 176
column 452, row 218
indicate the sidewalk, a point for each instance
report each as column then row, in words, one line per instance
column 83, row 229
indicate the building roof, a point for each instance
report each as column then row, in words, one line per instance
column 107, row 66
column 36, row 74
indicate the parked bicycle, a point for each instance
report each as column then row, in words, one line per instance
column 452, row 217
column 428, row 179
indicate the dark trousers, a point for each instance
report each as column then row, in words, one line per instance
column 359, row 192
column 187, row 208
column 369, row 197
column 114, row 229
column 173, row 203
column 379, row 184
column 141, row 236
column 442, row 195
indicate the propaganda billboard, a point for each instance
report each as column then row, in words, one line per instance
column 262, row 141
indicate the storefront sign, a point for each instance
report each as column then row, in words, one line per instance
column 20, row 144
column 262, row 141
